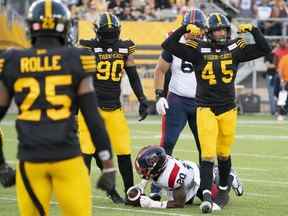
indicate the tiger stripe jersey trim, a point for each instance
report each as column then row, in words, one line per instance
column 89, row 63
column 241, row 43
column 131, row 49
column 192, row 44
column 2, row 61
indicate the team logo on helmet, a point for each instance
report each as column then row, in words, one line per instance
column 48, row 18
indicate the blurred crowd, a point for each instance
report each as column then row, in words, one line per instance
column 151, row 10
column 263, row 10
column 277, row 79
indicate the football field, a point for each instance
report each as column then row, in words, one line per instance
column 260, row 157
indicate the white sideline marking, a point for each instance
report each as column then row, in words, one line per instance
column 273, row 183
column 259, row 195
column 117, row 209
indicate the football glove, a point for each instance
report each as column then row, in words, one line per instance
column 7, row 175
column 193, row 29
column 106, row 182
column 243, row 28
column 161, row 106
column 143, row 109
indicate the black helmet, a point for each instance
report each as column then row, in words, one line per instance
column 151, row 161
column 195, row 16
column 108, row 28
column 48, row 18
column 218, row 21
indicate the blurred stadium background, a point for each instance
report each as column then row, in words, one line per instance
column 147, row 23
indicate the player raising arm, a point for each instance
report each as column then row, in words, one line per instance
column 216, row 62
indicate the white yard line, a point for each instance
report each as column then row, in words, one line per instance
column 134, row 210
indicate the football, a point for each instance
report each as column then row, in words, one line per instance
column 133, row 196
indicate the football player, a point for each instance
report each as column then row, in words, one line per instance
column 48, row 83
column 216, row 62
column 180, row 105
column 180, row 179
column 115, row 56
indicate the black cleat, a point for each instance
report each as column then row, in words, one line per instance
column 155, row 196
column 115, row 197
column 222, row 198
column 207, row 204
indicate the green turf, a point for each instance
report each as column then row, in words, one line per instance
column 260, row 156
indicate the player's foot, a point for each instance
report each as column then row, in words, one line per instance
column 222, row 198
column 115, row 197
column 155, row 196
column 236, row 184
column 207, row 204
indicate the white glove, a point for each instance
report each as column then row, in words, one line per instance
column 162, row 105
column 146, row 202
column 142, row 185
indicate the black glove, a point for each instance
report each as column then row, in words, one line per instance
column 143, row 109
column 106, row 181
column 7, row 175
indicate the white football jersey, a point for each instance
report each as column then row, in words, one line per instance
column 178, row 173
column 183, row 80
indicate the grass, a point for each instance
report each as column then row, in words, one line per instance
column 260, row 156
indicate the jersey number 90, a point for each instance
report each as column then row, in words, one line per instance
column 107, row 70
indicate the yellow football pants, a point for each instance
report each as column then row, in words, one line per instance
column 216, row 133
column 117, row 128
column 67, row 179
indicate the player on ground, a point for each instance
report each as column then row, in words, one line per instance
column 48, row 83
column 180, row 105
column 216, row 63
column 115, row 56
column 180, row 179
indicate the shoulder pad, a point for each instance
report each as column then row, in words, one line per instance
column 237, row 43
column 192, row 43
column 88, row 43
column 128, row 44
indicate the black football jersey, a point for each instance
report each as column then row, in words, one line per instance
column 111, row 63
column 44, row 84
column 216, row 67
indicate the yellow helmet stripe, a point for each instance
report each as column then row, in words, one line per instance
column 219, row 19
column 48, row 8
column 109, row 20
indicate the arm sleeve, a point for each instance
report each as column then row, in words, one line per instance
column 135, row 82
column 95, row 124
column 168, row 57
column 187, row 52
column 253, row 51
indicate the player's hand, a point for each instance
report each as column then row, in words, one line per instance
column 245, row 27
column 161, row 106
column 145, row 201
column 7, row 175
column 193, row 29
column 106, row 181
column 143, row 109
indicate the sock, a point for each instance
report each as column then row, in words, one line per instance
column 224, row 167
column 126, row 170
column 206, row 175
